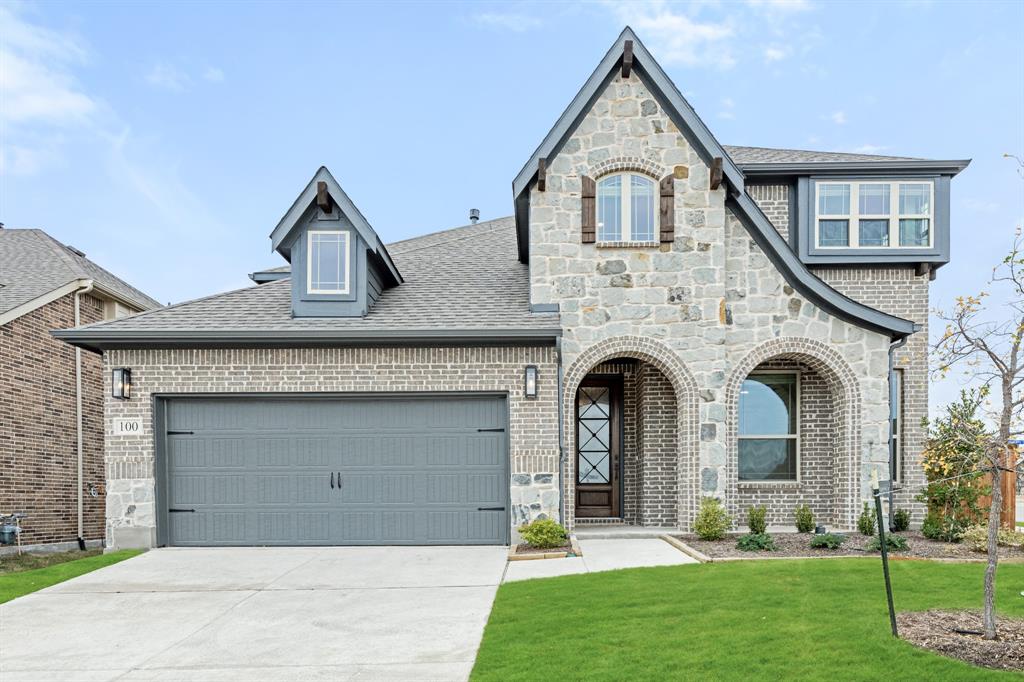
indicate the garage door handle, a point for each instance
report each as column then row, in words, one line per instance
column 180, row 511
column 490, row 509
column 332, row 480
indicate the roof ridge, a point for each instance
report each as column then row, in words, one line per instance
column 449, row 241
column 62, row 252
column 400, row 242
column 821, row 151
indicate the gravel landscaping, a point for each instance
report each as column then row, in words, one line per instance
column 958, row 634
column 797, row 545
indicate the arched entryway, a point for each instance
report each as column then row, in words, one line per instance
column 793, row 433
column 630, row 409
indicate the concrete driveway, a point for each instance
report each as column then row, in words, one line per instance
column 338, row 613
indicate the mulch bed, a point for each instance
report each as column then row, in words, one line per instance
column 937, row 631
column 523, row 548
column 798, row 545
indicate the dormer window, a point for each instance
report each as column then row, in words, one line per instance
column 328, row 265
column 626, row 208
column 874, row 214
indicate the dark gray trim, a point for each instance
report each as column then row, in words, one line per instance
column 160, row 400
column 804, row 281
column 264, row 276
column 99, row 339
column 661, row 87
column 938, row 255
column 935, row 167
column 543, row 307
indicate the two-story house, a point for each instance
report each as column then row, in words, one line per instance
column 663, row 318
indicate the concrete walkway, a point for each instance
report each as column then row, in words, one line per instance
column 339, row 613
column 601, row 555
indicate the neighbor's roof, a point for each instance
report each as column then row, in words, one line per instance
column 462, row 284
column 33, row 265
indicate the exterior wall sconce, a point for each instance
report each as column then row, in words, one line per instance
column 530, row 382
column 121, row 384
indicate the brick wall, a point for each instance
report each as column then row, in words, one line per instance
column 657, row 425
column 38, row 438
column 774, row 201
column 533, row 424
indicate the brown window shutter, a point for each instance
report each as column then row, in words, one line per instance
column 589, row 201
column 667, row 219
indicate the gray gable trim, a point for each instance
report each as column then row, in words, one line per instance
column 99, row 339
column 661, row 86
column 291, row 219
column 264, row 276
column 804, row 281
column 938, row 167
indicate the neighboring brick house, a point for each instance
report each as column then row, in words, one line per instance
column 663, row 318
column 45, row 285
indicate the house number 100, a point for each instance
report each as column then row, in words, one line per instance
column 127, row 427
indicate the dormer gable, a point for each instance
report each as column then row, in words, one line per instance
column 339, row 265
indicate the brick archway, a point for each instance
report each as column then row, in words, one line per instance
column 845, row 391
column 687, row 406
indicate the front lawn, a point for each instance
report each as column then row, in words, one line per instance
column 19, row 575
column 753, row 620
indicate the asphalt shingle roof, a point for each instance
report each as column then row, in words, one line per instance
column 32, row 264
column 465, row 278
column 745, row 155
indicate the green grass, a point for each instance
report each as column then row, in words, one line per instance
column 751, row 620
column 15, row 582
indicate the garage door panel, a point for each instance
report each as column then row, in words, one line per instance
column 412, row 471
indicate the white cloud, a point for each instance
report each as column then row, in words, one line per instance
column 838, row 117
column 727, row 111
column 508, row 21
column 775, row 53
column 981, row 206
column 168, row 77
column 213, row 74
column 676, row 37
column 36, row 84
column 780, row 6
column 869, row 149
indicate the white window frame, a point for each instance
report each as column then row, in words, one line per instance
column 854, row 216
column 344, row 255
column 795, row 436
column 896, row 448
column 625, row 202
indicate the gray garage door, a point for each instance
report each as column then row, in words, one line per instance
column 353, row 471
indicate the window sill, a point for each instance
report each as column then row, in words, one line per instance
column 628, row 245
column 767, row 485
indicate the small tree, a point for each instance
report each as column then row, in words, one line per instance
column 988, row 342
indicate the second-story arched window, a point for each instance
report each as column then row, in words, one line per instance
column 626, row 208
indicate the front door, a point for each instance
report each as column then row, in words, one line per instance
column 598, row 446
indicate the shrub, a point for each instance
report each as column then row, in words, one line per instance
column 894, row 543
column 866, row 521
column 712, row 520
column 756, row 542
column 804, row 519
column 757, row 520
column 827, row 541
column 943, row 528
column 976, row 537
column 900, row 520
column 543, row 534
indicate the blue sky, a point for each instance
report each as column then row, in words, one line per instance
column 167, row 139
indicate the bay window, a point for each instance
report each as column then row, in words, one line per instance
column 878, row 214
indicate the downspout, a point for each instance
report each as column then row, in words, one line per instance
column 561, row 444
column 893, row 347
column 86, row 288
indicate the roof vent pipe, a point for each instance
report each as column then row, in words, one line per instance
column 474, row 215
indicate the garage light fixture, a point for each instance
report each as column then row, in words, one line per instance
column 121, row 384
column 530, row 381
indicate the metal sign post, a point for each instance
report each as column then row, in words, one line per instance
column 885, row 550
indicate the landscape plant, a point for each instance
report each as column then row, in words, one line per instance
column 900, row 520
column 827, row 541
column 543, row 534
column 894, row 543
column 756, row 542
column 804, row 519
column 712, row 520
column 757, row 520
column 866, row 521
column 976, row 538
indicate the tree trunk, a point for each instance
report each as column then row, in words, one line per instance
column 989, row 617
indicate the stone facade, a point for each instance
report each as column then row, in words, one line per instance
column 38, row 425
column 533, row 423
column 705, row 309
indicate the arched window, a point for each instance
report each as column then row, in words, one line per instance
column 626, row 208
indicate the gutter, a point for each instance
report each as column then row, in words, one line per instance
column 85, row 288
column 952, row 167
column 100, row 338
